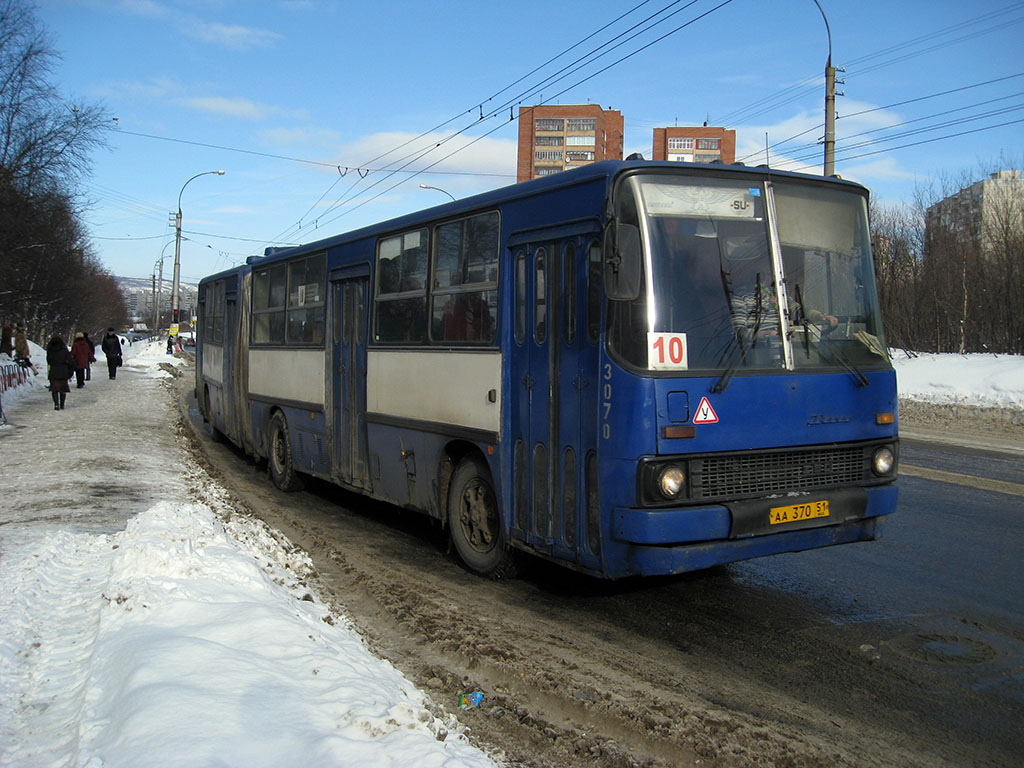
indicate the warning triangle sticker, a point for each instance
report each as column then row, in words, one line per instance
column 705, row 413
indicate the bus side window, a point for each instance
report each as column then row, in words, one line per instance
column 569, row 291
column 594, row 292
column 521, row 297
column 540, row 308
column 400, row 309
column 464, row 294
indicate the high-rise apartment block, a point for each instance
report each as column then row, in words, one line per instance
column 689, row 144
column 987, row 212
column 554, row 138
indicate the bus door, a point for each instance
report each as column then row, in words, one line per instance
column 555, row 381
column 348, row 378
column 575, row 359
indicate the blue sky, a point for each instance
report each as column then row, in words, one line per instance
column 299, row 100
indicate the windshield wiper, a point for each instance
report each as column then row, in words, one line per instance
column 734, row 351
column 848, row 365
column 836, row 353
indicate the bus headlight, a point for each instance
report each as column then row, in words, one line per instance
column 883, row 461
column 671, row 481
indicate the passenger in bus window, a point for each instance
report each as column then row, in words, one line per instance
column 467, row 317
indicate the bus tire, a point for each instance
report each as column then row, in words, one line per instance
column 282, row 469
column 475, row 523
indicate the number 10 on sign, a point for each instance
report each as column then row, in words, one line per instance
column 666, row 351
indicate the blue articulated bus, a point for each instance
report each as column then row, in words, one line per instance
column 630, row 368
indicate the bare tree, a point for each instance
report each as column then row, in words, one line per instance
column 45, row 141
column 973, row 265
column 45, row 145
column 897, row 239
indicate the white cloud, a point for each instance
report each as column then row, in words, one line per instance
column 320, row 138
column 144, row 8
column 233, row 36
column 446, row 153
column 240, row 108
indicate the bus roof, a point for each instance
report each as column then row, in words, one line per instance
column 607, row 169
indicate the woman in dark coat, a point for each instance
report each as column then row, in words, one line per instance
column 111, row 346
column 62, row 365
column 83, row 355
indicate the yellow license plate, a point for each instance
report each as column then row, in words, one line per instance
column 796, row 512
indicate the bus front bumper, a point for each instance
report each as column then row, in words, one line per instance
column 680, row 539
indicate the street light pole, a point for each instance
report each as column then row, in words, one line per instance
column 830, row 103
column 177, row 252
column 427, row 186
column 158, row 290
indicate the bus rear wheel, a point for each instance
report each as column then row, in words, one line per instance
column 282, row 469
column 475, row 523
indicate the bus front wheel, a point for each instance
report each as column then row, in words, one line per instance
column 282, row 469
column 475, row 523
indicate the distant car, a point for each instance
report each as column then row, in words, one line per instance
column 189, row 342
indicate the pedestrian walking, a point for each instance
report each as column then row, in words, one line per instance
column 92, row 355
column 80, row 351
column 7, row 341
column 22, row 356
column 111, row 347
column 61, row 364
column 170, row 345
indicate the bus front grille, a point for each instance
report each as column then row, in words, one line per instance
column 760, row 473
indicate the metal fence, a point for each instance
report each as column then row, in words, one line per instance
column 12, row 375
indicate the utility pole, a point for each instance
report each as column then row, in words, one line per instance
column 159, row 295
column 175, row 296
column 830, row 116
column 830, row 103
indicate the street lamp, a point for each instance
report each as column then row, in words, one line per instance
column 158, row 289
column 177, row 252
column 427, row 186
column 830, row 103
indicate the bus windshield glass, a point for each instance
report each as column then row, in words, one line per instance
column 744, row 275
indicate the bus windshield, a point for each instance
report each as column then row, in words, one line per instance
column 746, row 275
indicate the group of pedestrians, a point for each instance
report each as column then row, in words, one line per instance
column 64, row 363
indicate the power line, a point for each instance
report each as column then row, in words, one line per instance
column 916, row 131
column 342, row 169
column 919, row 143
column 804, row 87
column 818, row 126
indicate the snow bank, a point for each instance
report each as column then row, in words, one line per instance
column 981, row 380
column 175, row 643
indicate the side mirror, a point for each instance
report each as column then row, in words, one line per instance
column 622, row 262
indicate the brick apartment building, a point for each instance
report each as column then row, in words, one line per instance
column 689, row 144
column 554, row 138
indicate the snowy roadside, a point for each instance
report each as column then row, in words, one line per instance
column 978, row 394
column 142, row 622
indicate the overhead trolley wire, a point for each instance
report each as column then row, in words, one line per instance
column 559, row 75
column 500, row 110
column 415, row 154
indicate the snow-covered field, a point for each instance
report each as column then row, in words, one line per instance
column 139, row 627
